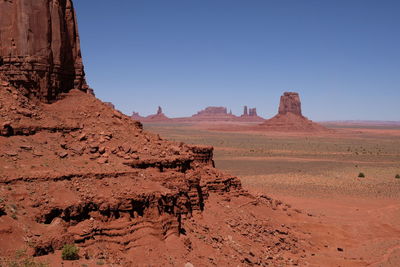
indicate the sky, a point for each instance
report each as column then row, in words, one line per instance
column 342, row 56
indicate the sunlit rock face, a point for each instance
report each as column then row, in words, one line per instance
column 39, row 47
column 290, row 102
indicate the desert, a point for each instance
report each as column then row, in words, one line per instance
column 86, row 182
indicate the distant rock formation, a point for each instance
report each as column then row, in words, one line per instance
column 39, row 48
column 136, row 116
column 290, row 118
column 250, row 115
column 212, row 111
column 253, row 112
column 209, row 114
column 158, row 117
column 290, row 102
column 245, row 113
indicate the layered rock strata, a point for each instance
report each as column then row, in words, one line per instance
column 39, row 48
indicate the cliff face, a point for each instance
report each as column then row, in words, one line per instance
column 39, row 48
column 212, row 111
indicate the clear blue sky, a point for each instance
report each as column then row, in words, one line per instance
column 342, row 56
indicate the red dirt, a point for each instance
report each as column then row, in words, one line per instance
column 77, row 171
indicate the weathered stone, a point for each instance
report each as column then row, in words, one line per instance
column 39, row 48
column 290, row 102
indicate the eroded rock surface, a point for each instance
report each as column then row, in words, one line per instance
column 290, row 102
column 39, row 48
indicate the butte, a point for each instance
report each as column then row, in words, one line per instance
column 290, row 117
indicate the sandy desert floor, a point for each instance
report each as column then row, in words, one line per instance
column 358, row 218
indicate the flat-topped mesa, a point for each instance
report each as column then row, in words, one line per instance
column 39, row 48
column 211, row 111
column 290, row 102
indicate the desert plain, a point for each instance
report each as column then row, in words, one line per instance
column 356, row 219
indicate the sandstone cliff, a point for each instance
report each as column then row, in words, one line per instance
column 39, row 48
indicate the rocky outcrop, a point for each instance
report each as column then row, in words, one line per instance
column 290, row 102
column 110, row 104
column 290, row 118
column 39, row 48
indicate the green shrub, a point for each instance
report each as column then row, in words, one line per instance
column 70, row 252
column 361, row 175
column 397, row 176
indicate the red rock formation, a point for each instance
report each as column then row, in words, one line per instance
column 290, row 102
column 158, row 117
column 253, row 112
column 245, row 112
column 39, row 47
column 290, row 118
column 136, row 116
column 212, row 111
column 250, row 115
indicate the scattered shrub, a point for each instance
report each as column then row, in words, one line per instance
column 361, row 175
column 397, row 176
column 70, row 252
